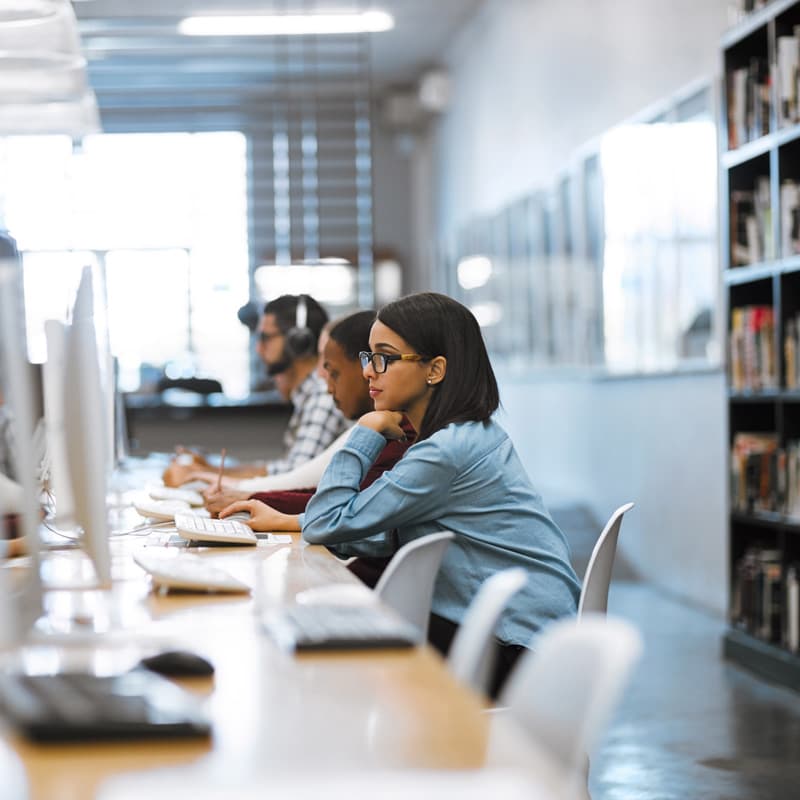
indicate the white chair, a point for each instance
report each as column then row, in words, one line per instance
column 597, row 579
column 472, row 652
column 564, row 692
column 407, row 583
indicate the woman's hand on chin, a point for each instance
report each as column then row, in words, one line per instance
column 386, row 423
column 262, row 516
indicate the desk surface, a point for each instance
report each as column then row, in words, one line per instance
column 273, row 712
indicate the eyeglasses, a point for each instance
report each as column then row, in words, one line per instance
column 265, row 337
column 380, row 361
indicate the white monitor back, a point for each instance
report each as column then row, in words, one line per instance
column 86, row 429
column 21, row 599
column 55, row 391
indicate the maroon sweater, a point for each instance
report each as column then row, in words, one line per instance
column 294, row 502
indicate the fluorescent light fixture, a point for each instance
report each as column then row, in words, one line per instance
column 474, row 271
column 287, row 24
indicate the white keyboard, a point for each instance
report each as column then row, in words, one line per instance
column 339, row 627
column 222, row 531
column 189, row 573
column 169, row 493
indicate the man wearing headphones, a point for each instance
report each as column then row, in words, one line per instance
column 287, row 343
column 287, row 336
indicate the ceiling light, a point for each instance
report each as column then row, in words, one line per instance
column 287, row 24
column 474, row 271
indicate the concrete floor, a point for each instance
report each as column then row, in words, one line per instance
column 691, row 726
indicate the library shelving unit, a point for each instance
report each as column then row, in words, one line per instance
column 760, row 249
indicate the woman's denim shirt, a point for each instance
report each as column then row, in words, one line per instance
column 465, row 478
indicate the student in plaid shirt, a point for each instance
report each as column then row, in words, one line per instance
column 287, row 344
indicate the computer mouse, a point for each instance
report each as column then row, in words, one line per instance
column 178, row 663
column 243, row 516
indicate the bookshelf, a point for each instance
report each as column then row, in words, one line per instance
column 760, row 249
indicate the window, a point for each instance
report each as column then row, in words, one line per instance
column 164, row 216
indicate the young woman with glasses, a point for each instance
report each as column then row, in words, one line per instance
column 427, row 360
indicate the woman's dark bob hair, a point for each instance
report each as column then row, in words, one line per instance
column 436, row 325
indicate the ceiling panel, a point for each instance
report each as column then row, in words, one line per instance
column 134, row 49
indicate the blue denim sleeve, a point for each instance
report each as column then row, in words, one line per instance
column 412, row 491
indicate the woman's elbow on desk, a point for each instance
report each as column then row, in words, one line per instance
column 328, row 528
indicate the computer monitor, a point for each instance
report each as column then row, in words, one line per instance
column 21, row 598
column 53, row 378
column 120, row 427
column 86, row 430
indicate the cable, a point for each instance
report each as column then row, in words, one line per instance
column 146, row 526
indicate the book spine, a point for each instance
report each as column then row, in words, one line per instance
column 792, row 610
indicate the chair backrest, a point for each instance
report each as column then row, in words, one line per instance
column 471, row 655
column 407, row 583
column 564, row 691
column 594, row 593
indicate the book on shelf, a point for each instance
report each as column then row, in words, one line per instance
column 752, row 348
column 791, row 506
column 765, row 597
column 756, row 606
column 748, row 102
column 791, row 353
column 790, row 217
column 786, row 72
column 765, row 477
column 792, row 627
column 751, row 224
column 758, row 473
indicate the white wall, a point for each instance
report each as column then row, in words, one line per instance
column 532, row 81
column 659, row 442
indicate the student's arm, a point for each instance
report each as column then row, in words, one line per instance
column 320, row 423
column 303, row 477
column 263, row 517
column 178, row 474
column 413, row 491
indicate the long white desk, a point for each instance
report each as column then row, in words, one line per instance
column 274, row 714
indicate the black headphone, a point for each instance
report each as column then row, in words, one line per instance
column 300, row 339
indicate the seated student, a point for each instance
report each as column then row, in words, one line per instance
column 429, row 362
column 340, row 363
column 306, row 475
column 340, row 358
column 287, row 344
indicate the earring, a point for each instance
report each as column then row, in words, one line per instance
column 429, row 381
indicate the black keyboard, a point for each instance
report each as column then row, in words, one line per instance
column 321, row 627
column 80, row 707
